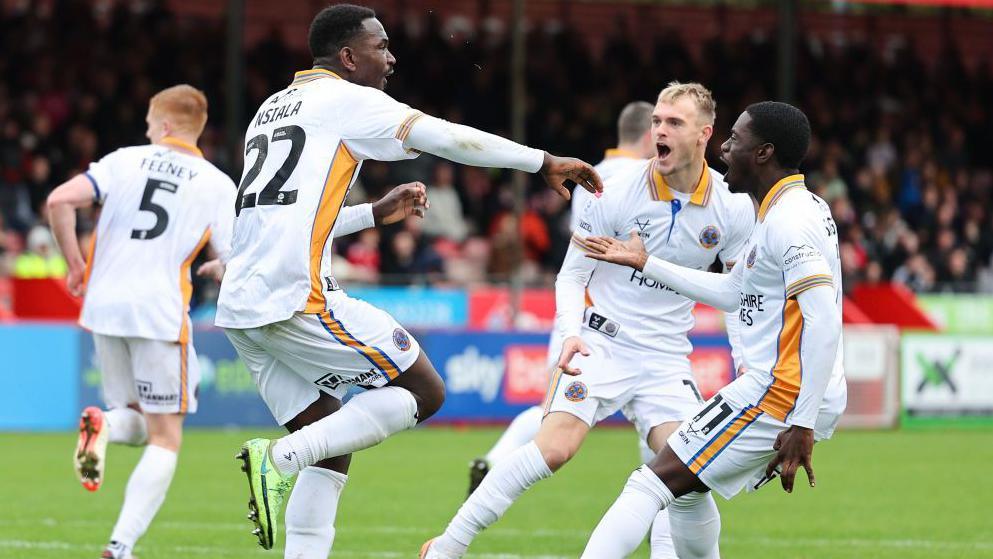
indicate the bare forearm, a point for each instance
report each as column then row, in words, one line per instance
column 63, row 220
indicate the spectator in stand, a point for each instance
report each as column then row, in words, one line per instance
column 446, row 218
column 41, row 259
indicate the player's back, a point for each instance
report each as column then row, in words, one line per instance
column 303, row 151
column 159, row 207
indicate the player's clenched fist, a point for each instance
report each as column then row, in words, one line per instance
column 404, row 200
column 557, row 170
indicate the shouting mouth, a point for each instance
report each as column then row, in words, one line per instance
column 663, row 151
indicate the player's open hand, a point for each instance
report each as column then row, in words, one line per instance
column 74, row 281
column 624, row 253
column 212, row 269
column 557, row 170
column 795, row 448
column 570, row 347
column 404, row 200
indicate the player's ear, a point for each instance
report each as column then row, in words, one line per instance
column 347, row 58
column 764, row 153
column 707, row 132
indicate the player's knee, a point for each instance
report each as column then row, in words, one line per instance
column 430, row 399
column 557, row 455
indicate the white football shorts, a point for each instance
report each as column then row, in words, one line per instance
column 728, row 445
column 160, row 376
column 649, row 390
column 351, row 344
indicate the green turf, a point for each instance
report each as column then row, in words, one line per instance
column 906, row 495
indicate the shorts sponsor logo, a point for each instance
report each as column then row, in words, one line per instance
column 335, row 380
column 750, row 261
column 684, row 438
column 401, row 339
column 710, row 236
column 576, row 392
column 146, row 393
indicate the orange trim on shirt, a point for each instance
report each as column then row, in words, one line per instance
column 781, row 397
column 660, row 189
column 781, row 187
column 180, row 144
column 89, row 259
column 809, row 282
column 613, row 153
column 404, row 129
column 340, row 174
column 186, row 287
column 306, row 76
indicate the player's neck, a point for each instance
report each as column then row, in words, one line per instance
column 686, row 179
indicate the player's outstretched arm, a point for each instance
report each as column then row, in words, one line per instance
column 77, row 192
column 717, row 290
column 466, row 145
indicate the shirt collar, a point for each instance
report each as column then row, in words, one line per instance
column 307, row 76
column 660, row 189
column 784, row 185
column 185, row 146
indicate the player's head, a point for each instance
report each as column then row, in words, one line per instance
column 768, row 136
column 682, row 123
column 352, row 42
column 634, row 128
column 180, row 110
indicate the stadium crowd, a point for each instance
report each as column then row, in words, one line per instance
column 903, row 167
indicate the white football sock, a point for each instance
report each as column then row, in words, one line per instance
column 126, row 426
column 366, row 420
column 500, row 488
column 696, row 526
column 661, row 536
column 144, row 494
column 660, row 539
column 310, row 513
column 625, row 524
column 520, row 432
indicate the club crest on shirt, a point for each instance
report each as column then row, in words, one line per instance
column 576, row 392
column 710, row 236
column 750, row 261
column 401, row 339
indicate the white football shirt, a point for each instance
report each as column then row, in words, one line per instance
column 692, row 230
column 304, row 148
column 160, row 207
column 793, row 248
column 615, row 161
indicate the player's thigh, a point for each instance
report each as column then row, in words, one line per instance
column 662, row 399
column 285, row 393
column 597, row 393
column 116, row 379
column 166, row 375
column 726, row 446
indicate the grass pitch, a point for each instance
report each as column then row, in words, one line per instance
column 881, row 495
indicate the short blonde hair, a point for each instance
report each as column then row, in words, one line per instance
column 184, row 105
column 702, row 96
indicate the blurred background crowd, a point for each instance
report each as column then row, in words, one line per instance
column 902, row 158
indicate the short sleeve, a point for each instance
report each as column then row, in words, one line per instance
column 796, row 243
column 101, row 174
column 223, row 222
column 742, row 221
column 375, row 125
